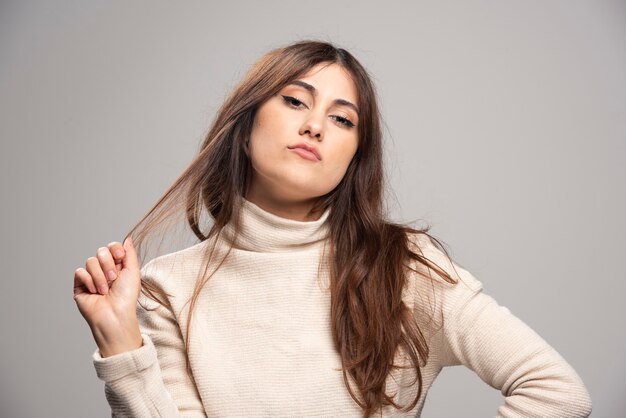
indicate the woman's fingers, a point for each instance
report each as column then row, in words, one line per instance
column 93, row 268
column 82, row 278
column 118, row 252
column 105, row 267
column 130, row 261
column 107, row 264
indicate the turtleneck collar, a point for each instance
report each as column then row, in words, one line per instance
column 262, row 231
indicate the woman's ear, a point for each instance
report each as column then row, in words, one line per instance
column 245, row 147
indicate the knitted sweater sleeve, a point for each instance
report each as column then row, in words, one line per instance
column 150, row 381
column 505, row 352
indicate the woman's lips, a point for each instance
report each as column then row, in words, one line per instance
column 305, row 154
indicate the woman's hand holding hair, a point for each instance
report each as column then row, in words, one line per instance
column 106, row 293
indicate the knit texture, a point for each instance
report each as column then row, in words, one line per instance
column 261, row 341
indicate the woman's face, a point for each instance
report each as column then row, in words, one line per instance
column 318, row 110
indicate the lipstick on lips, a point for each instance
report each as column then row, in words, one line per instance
column 306, row 151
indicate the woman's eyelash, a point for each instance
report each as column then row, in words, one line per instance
column 292, row 101
column 344, row 121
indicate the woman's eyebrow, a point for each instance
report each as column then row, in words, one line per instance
column 313, row 91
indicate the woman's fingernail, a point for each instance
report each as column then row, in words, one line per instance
column 119, row 254
column 112, row 275
column 104, row 289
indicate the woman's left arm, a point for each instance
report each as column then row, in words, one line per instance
column 508, row 355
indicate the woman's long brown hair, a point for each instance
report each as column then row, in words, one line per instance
column 370, row 258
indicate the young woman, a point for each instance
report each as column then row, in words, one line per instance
column 301, row 299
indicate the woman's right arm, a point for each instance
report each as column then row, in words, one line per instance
column 141, row 354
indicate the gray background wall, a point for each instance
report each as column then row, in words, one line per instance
column 506, row 131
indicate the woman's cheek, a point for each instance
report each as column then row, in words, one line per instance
column 260, row 160
column 334, row 175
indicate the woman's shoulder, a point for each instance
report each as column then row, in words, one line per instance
column 433, row 251
column 431, row 288
column 175, row 260
column 175, row 273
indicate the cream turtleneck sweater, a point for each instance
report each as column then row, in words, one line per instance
column 261, row 340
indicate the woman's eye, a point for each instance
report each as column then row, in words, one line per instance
column 297, row 104
column 344, row 121
column 292, row 101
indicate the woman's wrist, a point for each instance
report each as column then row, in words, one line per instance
column 118, row 339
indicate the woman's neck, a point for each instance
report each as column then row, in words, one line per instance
column 263, row 231
column 288, row 209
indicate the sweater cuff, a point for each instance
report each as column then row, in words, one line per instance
column 119, row 365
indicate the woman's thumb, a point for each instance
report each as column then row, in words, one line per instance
column 130, row 260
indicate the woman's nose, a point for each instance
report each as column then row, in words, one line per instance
column 312, row 127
